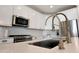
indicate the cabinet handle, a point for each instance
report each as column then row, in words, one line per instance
column 4, row 40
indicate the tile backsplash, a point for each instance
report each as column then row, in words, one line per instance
column 3, row 32
column 25, row 31
column 40, row 34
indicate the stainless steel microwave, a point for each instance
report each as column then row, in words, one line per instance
column 20, row 21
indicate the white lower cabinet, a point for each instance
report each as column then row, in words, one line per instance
column 6, row 40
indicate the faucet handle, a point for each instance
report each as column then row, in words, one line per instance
column 61, row 44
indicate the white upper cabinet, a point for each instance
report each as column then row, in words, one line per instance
column 6, row 12
column 36, row 20
column 71, row 13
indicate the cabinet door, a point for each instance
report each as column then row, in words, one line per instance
column 6, row 12
column 36, row 20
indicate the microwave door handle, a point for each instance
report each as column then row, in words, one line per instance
column 14, row 19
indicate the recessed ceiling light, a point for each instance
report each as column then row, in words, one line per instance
column 51, row 6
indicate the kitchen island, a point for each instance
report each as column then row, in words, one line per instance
column 24, row 47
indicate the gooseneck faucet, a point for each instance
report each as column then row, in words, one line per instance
column 61, row 44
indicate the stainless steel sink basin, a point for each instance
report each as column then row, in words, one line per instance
column 46, row 43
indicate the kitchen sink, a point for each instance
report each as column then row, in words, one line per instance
column 46, row 43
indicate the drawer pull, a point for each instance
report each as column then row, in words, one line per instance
column 4, row 40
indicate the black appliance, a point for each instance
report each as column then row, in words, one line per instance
column 21, row 38
column 20, row 21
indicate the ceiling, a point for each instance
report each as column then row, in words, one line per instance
column 46, row 9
